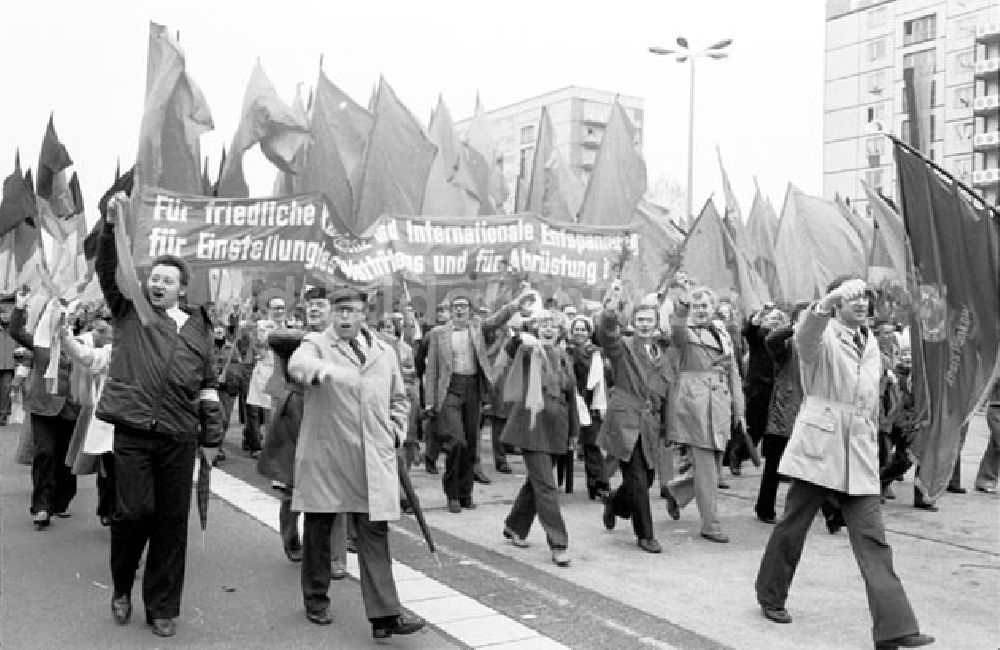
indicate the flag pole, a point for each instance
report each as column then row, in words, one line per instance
column 976, row 196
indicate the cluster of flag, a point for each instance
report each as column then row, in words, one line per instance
column 52, row 203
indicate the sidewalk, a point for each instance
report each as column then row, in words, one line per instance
column 239, row 591
column 949, row 561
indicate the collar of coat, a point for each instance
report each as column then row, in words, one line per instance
column 846, row 336
column 375, row 345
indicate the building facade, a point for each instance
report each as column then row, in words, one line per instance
column 578, row 116
column 953, row 45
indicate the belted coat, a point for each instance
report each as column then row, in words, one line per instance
column 708, row 392
column 834, row 442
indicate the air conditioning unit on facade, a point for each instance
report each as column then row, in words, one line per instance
column 986, row 176
column 988, row 139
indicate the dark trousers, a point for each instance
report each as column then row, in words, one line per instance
column 539, row 495
column 432, row 438
column 256, row 418
column 288, row 522
column 53, row 483
column 631, row 499
column 460, row 418
column 890, row 609
column 773, row 448
column 226, row 400
column 593, row 459
column 496, row 430
column 6, row 377
column 758, row 402
column 106, row 498
column 153, row 480
column 378, row 589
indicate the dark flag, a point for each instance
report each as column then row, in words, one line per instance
column 954, row 241
column 18, row 199
column 52, row 159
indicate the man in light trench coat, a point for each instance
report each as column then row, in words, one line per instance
column 354, row 418
column 833, row 452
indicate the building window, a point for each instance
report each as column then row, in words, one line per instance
column 924, row 59
column 528, row 134
column 873, row 147
column 876, row 113
column 965, row 61
column 920, row 29
column 961, row 167
column 527, row 154
column 876, row 82
column 963, row 131
column 904, row 104
column 904, row 131
column 636, row 116
column 877, row 17
column 876, row 50
column 962, row 97
column 874, row 179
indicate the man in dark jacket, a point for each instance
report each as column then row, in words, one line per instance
column 161, row 397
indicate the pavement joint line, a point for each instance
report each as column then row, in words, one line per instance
column 264, row 508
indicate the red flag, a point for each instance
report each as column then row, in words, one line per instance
column 734, row 216
column 762, row 226
column 814, row 245
column 619, row 177
column 710, row 257
column 398, row 159
column 451, row 188
column 340, row 128
column 265, row 118
column 954, row 243
column 18, row 202
column 52, row 159
column 490, row 181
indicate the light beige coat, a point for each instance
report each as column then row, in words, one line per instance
column 834, row 442
column 345, row 459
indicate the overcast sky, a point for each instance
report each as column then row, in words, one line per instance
column 763, row 106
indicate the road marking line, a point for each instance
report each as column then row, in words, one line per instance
column 438, row 604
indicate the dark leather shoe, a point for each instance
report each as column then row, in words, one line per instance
column 672, row 508
column 776, row 614
column 430, row 466
column 718, row 538
column 609, row 513
column 467, row 504
column 121, row 608
column 164, row 627
column 514, row 538
column 480, row 477
column 650, row 545
column 767, row 519
column 322, row 617
column 504, row 468
column 723, row 485
column 923, row 505
column 293, row 553
column 454, row 506
column 957, row 490
column 908, row 641
column 401, row 624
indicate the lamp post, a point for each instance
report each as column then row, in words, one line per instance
column 685, row 54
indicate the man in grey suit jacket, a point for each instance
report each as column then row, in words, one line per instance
column 458, row 374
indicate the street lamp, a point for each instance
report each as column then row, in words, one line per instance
column 683, row 55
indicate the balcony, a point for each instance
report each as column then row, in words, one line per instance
column 988, row 32
column 988, row 68
column 986, row 177
column 988, row 104
column 989, row 141
column 591, row 141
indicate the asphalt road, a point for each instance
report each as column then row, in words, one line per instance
column 242, row 592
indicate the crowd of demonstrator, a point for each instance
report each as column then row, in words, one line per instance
column 336, row 402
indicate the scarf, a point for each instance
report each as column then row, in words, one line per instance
column 545, row 374
column 46, row 335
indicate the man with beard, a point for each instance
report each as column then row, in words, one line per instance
column 833, row 452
